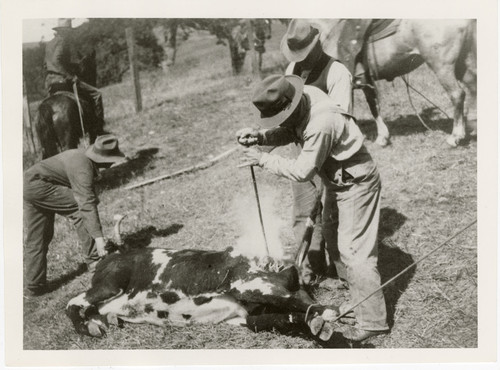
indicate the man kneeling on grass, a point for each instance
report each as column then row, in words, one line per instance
column 332, row 146
column 64, row 184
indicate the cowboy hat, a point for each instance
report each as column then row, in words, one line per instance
column 105, row 150
column 276, row 97
column 63, row 23
column 300, row 38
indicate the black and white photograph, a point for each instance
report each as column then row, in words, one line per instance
column 320, row 180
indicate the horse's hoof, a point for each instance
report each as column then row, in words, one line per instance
column 382, row 141
column 453, row 141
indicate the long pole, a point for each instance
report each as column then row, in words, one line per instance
column 86, row 140
column 27, row 119
column 405, row 270
column 259, row 209
column 133, row 67
column 254, row 60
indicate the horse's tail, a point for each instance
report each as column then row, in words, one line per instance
column 47, row 137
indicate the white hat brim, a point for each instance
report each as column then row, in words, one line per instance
column 297, row 55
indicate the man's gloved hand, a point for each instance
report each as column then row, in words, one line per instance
column 249, row 136
column 100, row 244
column 74, row 78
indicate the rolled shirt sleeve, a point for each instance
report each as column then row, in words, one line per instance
column 316, row 149
column 81, row 177
column 339, row 85
column 278, row 136
column 328, row 134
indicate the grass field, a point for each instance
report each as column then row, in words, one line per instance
column 190, row 115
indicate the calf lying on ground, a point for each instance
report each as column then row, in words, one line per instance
column 180, row 287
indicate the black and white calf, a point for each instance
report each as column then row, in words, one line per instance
column 181, row 287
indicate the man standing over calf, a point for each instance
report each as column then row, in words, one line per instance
column 302, row 48
column 332, row 146
column 64, row 184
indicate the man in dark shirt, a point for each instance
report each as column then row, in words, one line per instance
column 302, row 47
column 64, row 184
column 62, row 71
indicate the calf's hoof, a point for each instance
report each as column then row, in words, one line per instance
column 95, row 329
column 112, row 319
column 326, row 332
column 316, row 324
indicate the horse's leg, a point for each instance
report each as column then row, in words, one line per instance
column 383, row 136
column 471, row 102
column 443, row 54
column 446, row 77
column 470, row 81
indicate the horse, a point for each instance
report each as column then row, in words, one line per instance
column 58, row 126
column 448, row 47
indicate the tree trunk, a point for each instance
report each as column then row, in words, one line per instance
column 28, row 129
column 133, row 67
column 253, row 52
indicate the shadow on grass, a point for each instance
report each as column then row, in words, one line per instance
column 117, row 176
column 66, row 278
column 392, row 260
column 409, row 124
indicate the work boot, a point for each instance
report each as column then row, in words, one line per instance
column 356, row 334
column 349, row 318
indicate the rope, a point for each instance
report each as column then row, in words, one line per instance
column 84, row 135
column 308, row 308
column 405, row 270
column 406, row 79
column 413, row 106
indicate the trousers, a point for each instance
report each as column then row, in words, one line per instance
column 41, row 201
column 351, row 215
column 304, row 198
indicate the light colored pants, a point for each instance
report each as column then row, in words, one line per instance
column 351, row 216
column 305, row 195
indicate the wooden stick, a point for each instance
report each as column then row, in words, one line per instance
column 27, row 119
column 129, row 34
column 259, row 209
column 199, row 166
column 405, row 270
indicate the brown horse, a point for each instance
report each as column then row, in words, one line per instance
column 448, row 47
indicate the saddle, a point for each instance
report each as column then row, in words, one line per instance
column 382, row 28
column 356, row 33
column 85, row 103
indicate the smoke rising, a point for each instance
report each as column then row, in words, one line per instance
column 251, row 240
